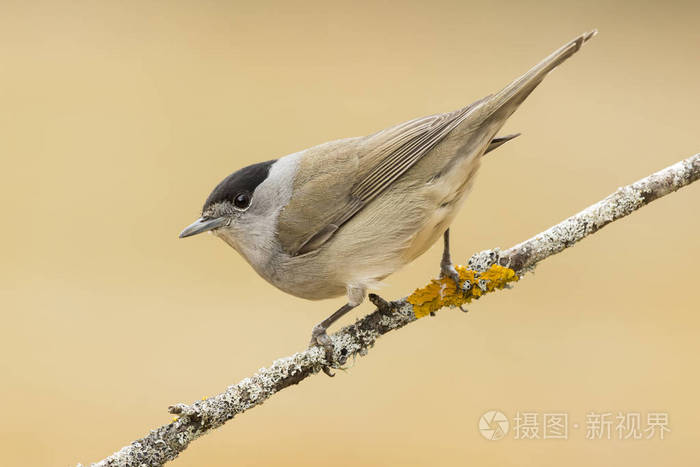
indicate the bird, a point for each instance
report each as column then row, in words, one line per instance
column 338, row 218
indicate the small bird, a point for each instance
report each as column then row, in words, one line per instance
column 340, row 217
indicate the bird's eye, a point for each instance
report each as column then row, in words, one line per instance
column 242, row 201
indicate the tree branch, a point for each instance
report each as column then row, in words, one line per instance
column 488, row 270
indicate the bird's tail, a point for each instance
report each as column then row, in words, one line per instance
column 504, row 103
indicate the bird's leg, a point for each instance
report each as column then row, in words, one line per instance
column 318, row 333
column 319, row 337
column 446, row 267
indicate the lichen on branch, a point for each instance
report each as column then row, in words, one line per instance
column 444, row 292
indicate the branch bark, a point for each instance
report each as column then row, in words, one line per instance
column 166, row 442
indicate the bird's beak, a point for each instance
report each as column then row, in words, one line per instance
column 202, row 224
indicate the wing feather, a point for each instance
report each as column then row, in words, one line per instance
column 400, row 148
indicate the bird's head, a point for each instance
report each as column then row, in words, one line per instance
column 230, row 202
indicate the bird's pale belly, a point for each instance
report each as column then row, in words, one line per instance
column 308, row 277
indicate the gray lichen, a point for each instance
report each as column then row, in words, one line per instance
column 483, row 260
column 165, row 443
column 623, row 202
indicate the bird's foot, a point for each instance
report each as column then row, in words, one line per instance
column 320, row 338
column 447, row 270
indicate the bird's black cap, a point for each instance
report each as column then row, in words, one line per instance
column 243, row 181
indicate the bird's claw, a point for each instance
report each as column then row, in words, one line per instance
column 447, row 270
column 320, row 338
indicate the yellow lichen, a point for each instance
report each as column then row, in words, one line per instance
column 443, row 292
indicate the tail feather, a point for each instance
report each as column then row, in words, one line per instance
column 506, row 101
column 497, row 142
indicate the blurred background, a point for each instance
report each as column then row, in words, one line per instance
column 117, row 119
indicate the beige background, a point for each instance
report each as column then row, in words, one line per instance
column 117, row 118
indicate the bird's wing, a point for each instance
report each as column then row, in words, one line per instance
column 350, row 175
